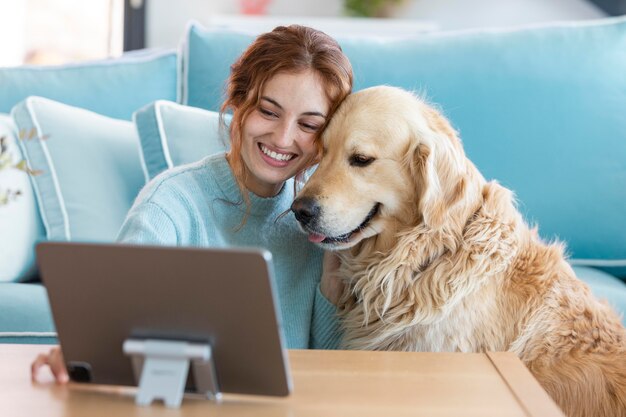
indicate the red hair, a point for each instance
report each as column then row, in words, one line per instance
column 286, row 49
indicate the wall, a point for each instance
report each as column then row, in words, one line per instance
column 165, row 22
column 459, row 14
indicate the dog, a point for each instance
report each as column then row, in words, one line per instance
column 435, row 258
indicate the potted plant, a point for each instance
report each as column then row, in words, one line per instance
column 370, row 8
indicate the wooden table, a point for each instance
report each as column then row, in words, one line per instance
column 326, row 383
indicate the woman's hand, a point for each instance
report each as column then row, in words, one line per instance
column 54, row 360
column 330, row 285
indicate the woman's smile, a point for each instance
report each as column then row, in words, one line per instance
column 276, row 158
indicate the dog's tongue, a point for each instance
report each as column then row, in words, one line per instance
column 315, row 238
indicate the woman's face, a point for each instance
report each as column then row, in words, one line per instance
column 278, row 136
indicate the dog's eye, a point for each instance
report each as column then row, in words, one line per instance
column 357, row 160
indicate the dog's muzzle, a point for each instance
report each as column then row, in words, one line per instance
column 307, row 210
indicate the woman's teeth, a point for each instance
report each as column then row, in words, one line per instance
column 275, row 155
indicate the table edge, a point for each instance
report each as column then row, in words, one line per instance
column 528, row 392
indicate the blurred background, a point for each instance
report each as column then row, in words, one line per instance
column 53, row 32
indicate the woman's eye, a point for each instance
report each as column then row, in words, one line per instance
column 309, row 127
column 358, row 160
column 267, row 112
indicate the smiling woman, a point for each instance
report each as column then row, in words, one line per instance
column 312, row 78
column 281, row 92
column 279, row 136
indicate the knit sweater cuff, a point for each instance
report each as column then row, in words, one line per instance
column 325, row 328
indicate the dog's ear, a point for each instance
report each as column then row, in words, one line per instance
column 438, row 166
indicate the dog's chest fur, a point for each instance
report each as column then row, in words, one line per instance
column 448, row 295
column 468, row 326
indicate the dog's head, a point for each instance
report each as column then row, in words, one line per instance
column 390, row 162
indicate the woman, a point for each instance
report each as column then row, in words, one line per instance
column 282, row 92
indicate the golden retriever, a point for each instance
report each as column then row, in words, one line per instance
column 435, row 258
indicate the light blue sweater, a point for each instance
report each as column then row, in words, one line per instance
column 196, row 205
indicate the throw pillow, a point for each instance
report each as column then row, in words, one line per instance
column 90, row 168
column 172, row 134
column 20, row 224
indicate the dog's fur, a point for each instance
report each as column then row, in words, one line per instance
column 447, row 263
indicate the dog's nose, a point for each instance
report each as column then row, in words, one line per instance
column 306, row 209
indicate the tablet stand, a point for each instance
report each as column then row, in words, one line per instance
column 161, row 367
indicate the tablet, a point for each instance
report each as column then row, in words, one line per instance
column 102, row 295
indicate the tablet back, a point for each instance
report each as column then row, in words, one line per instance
column 102, row 294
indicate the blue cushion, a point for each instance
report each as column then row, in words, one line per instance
column 25, row 315
column 540, row 109
column 115, row 87
column 605, row 287
column 20, row 224
column 207, row 56
column 90, row 166
column 172, row 134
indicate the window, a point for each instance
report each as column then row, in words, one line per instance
column 50, row 32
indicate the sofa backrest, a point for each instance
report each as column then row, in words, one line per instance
column 114, row 87
column 541, row 109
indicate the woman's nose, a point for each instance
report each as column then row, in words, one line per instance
column 285, row 134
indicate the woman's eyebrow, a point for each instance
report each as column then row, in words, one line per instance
column 314, row 113
column 274, row 102
column 308, row 113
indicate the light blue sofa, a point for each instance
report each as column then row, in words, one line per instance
column 540, row 109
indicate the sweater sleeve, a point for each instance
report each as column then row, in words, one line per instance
column 147, row 223
column 325, row 328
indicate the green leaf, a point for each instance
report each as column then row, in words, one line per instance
column 22, row 166
column 366, row 8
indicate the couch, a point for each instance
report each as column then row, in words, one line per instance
column 540, row 109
